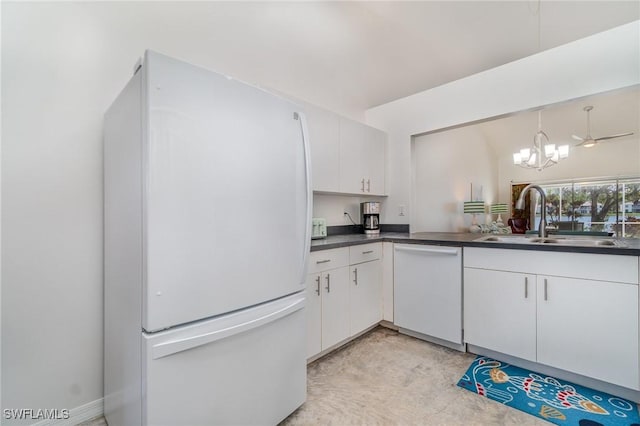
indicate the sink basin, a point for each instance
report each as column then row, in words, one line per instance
column 581, row 241
column 510, row 239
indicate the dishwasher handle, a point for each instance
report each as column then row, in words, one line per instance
column 430, row 249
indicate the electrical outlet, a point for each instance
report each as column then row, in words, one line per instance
column 401, row 209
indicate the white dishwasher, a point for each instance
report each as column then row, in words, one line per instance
column 428, row 292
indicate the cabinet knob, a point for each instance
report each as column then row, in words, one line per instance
column 328, row 287
column 355, row 273
column 526, row 287
column 318, row 287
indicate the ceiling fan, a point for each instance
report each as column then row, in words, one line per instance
column 589, row 141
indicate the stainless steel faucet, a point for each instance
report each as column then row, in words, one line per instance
column 542, row 229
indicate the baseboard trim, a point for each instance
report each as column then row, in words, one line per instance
column 431, row 339
column 389, row 324
column 340, row 344
column 630, row 394
column 77, row 415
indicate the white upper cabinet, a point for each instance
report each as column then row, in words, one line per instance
column 347, row 156
column 374, row 152
column 362, row 158
column 324, row 132
column 352, row 165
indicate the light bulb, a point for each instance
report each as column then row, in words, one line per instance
column 525, row 153
column 563, row 151
column 517, row 158
column 549, row 150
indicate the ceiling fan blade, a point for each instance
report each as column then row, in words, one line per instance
column 604, row 138
column 578, row 138
column 581, row 143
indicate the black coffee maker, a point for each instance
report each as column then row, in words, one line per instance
column 370, row 217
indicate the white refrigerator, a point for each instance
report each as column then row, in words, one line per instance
column 207, row 214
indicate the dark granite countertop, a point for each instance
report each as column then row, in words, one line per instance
column 456, row 239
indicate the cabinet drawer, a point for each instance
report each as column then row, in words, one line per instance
column 601, row 267
column 364, row 253
column 324, row 260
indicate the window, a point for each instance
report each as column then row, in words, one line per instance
column 606, row 205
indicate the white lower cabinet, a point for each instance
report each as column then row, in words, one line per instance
column 327, row 309
column 314, row 314
column 335, row 306
column 589, row 327
column 344, row 294
column 365, row 295
column 327, row 299
column 582, row 325
column 500, row 311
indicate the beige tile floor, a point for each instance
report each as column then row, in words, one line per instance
column 386, row 378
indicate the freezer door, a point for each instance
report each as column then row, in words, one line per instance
column 227, row 204
column 246, row 368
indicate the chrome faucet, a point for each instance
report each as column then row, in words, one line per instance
column 542, row 229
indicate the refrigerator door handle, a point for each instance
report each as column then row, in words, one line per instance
column 307, row 171
column 164, row 349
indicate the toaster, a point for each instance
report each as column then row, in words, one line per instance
column 318, row 228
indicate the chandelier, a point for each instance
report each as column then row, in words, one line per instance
column 542, row 154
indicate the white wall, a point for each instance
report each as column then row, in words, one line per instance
column 332, row 207
column 62, row 66
column 444, row 166
column 606, row 61
column 0, row 221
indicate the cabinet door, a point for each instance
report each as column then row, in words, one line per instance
column 590, row 328
column 324, row 133
column 500, row 311
column 352, row 170
column 374, row 158
column 365, row 296
column 335, row 306
column 314, row 314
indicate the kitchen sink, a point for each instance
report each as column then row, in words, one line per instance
column 515, row 239
column 581, row 241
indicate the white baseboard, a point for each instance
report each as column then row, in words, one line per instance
column 630, row 394
column 451, row 345
column 77, row 415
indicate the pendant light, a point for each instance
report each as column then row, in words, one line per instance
column 540, row 156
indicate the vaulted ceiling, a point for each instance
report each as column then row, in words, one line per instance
column 356, row 55
column 345, row 56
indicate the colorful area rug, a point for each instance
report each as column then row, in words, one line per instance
column 558, row 402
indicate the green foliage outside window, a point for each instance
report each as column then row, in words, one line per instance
column 611, row 205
